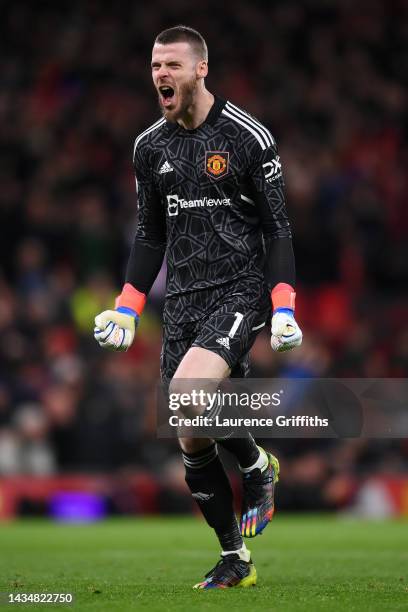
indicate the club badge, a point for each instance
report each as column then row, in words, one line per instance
column 216, row 163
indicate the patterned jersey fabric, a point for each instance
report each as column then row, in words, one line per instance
column 213, row 196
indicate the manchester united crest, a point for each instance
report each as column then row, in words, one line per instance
column 216, row 163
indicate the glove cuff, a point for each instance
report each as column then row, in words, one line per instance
column 131, row 298
column 283, row 296
column 128, row 311
column 287, row 311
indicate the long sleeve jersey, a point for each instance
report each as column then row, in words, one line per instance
column 212, row 200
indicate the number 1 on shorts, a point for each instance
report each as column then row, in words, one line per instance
column 237, row 323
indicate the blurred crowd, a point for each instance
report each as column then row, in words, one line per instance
column 328, row 78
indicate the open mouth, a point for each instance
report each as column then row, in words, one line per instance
column 167, row 94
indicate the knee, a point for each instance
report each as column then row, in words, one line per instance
column 182, row 395
column 177, row 386
column 193, row 445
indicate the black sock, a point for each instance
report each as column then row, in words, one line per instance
column 244, row 449
column 210, row 487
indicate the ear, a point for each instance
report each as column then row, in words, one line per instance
column 202, row 69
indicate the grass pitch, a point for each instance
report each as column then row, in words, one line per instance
column 303, row 563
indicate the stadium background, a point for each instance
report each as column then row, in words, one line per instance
column 328, row 80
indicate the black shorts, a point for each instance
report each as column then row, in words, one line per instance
column 228, row 329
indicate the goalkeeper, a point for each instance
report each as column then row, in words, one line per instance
column 211, row 199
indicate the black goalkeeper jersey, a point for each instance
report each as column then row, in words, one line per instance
column 211, row 197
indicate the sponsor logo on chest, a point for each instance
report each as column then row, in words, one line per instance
column 175, row 203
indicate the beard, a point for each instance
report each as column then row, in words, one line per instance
column 185, row 99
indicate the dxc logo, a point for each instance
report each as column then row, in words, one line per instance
column 273, row 169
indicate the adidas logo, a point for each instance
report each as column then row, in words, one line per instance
column 166, row 168
column 224, row 342
column 202, row 496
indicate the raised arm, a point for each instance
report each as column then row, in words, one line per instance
column 266, row 175
column 115, row 329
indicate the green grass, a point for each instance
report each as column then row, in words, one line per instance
column 304, row 564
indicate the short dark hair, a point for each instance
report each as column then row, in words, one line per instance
column 182, row 33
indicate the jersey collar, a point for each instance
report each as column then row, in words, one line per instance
column 215, row 110
column 211, row 119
